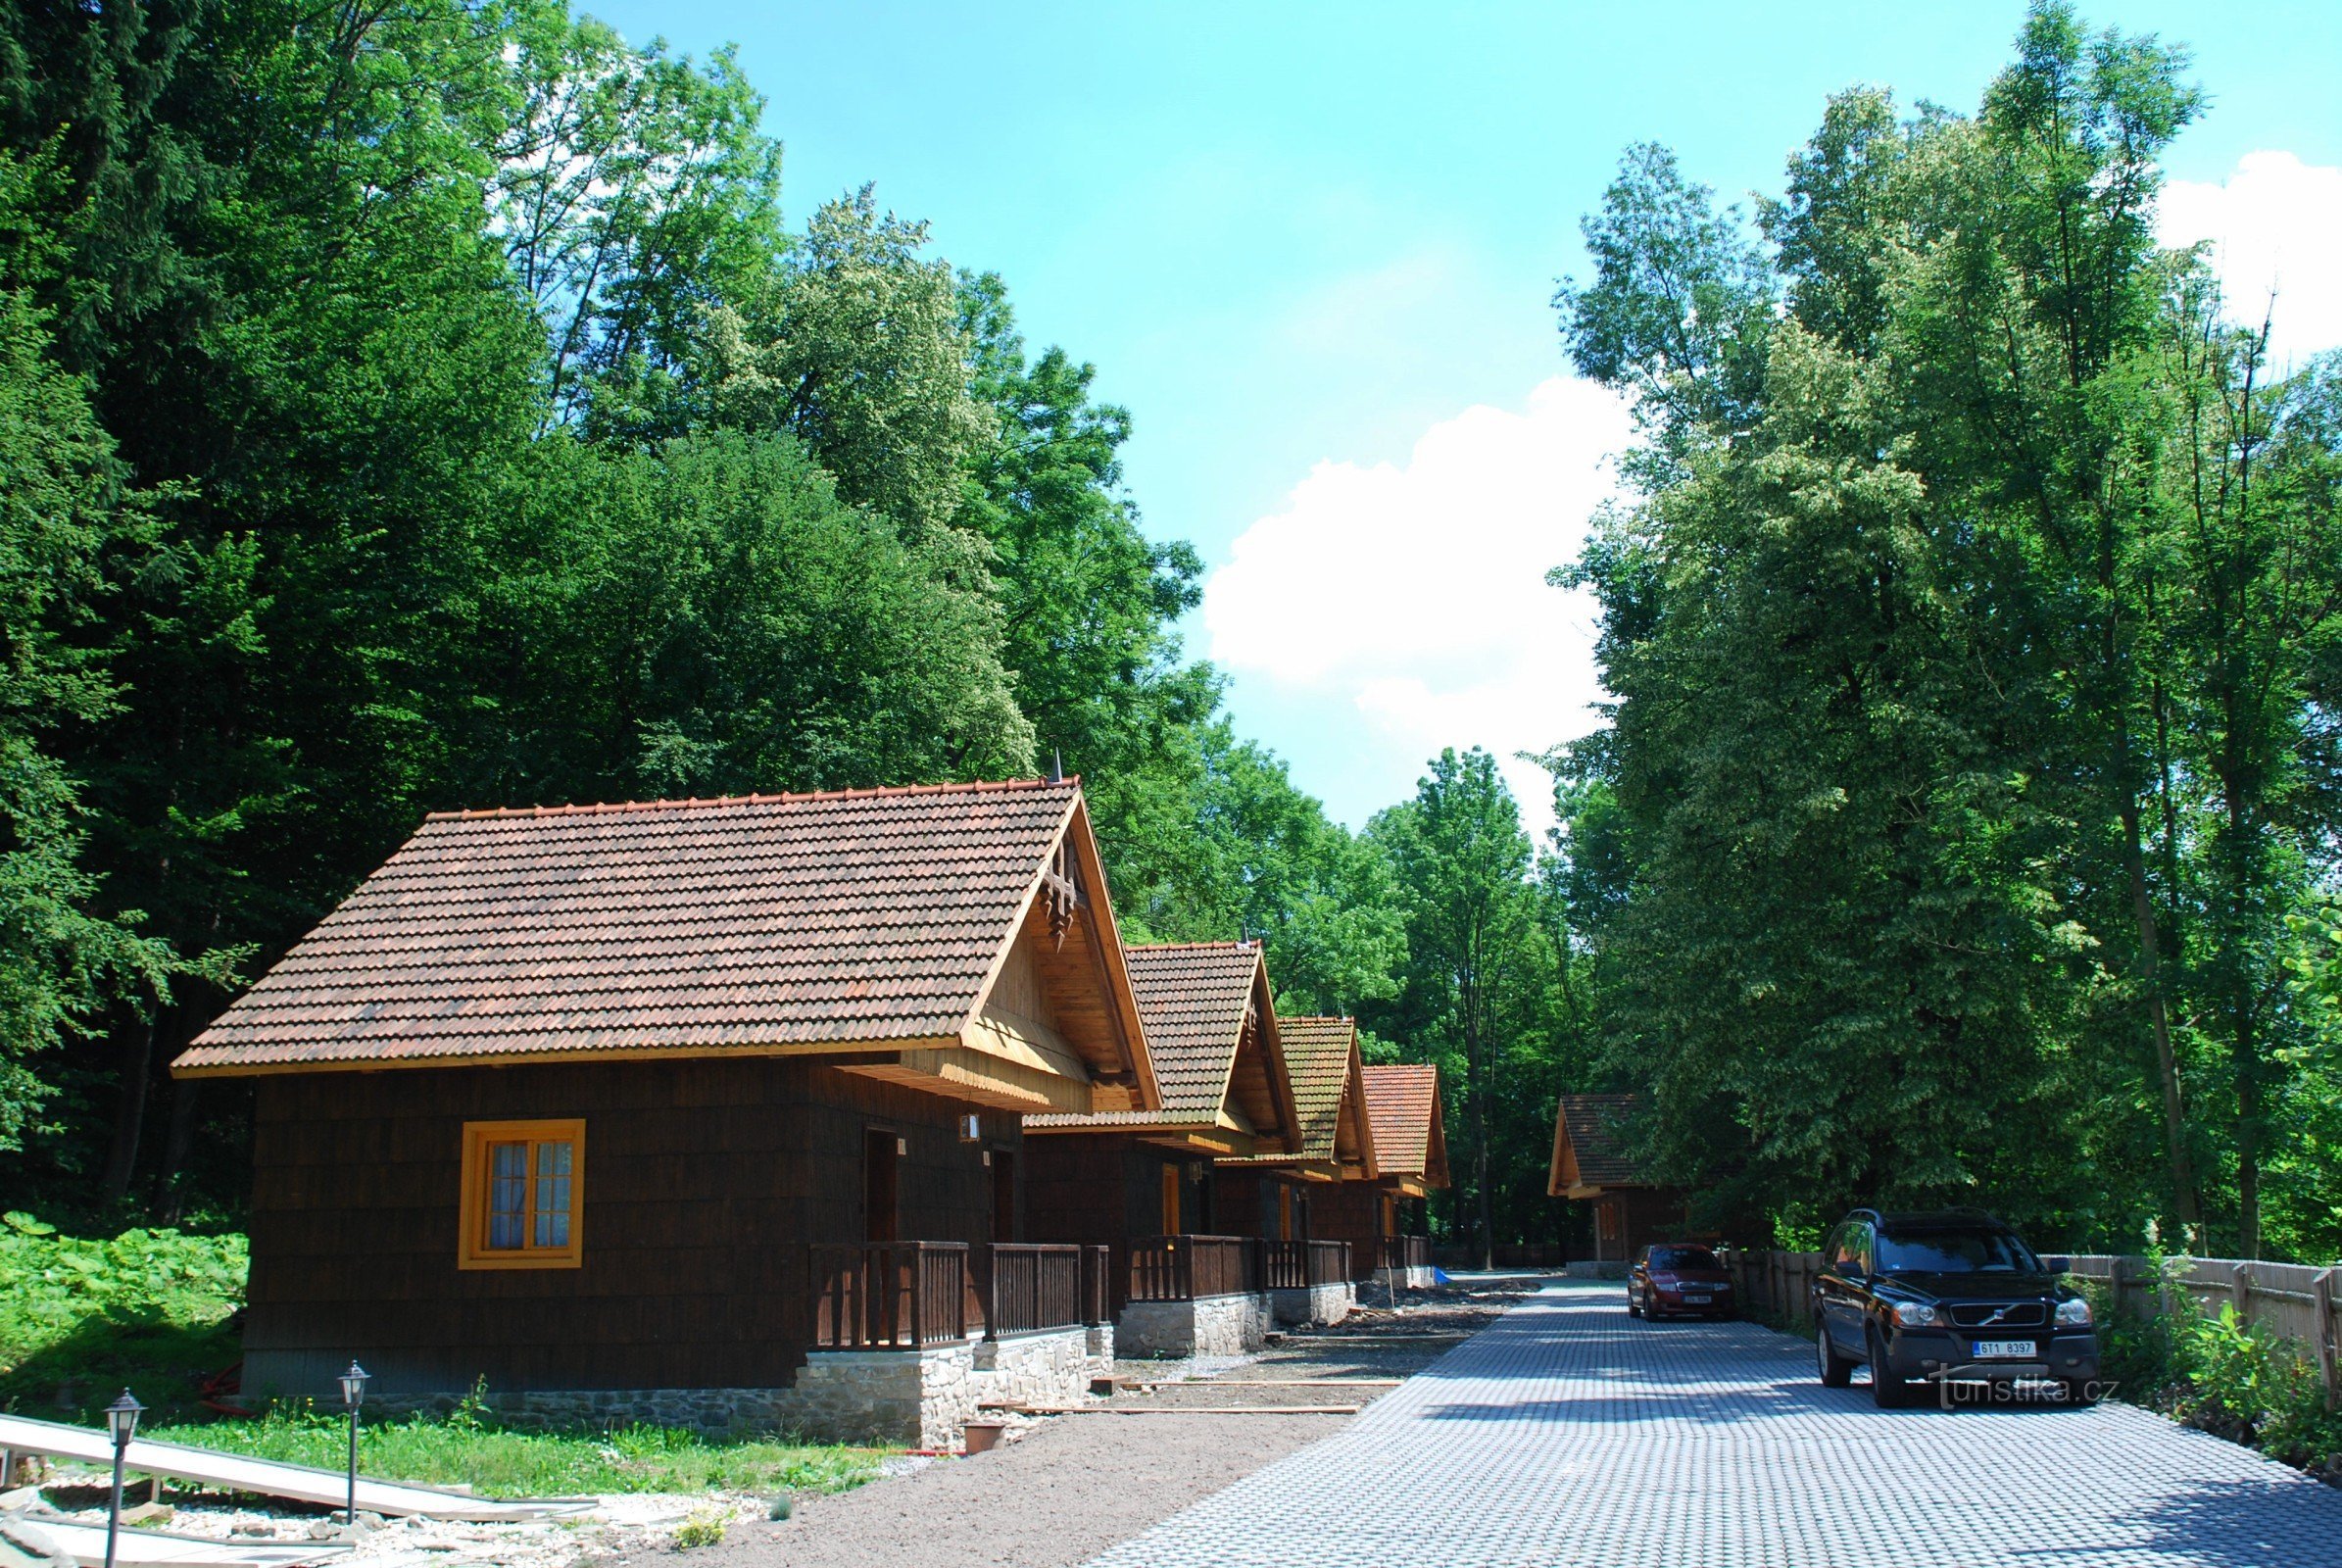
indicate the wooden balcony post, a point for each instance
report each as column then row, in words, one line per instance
column 2321, row 1306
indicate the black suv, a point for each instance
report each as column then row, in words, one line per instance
column 1946, row 1298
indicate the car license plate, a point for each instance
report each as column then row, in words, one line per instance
column 1697, row 1301
column 2003, row 1350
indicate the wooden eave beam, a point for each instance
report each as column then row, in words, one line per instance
column 814, row 1048
column 956, row 1072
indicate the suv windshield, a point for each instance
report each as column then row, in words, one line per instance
column 1683, row 1258
column 1954, row 1252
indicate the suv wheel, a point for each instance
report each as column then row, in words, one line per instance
column 1888, row 1392
column 1836, row 1370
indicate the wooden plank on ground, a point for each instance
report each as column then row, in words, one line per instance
column 1266, row 1382
column 85, row 1545
column 270, row 1478
column 1178, row 1409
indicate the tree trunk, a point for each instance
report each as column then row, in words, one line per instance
column 1475, row 1070
column 2159, row 1022
column 178, row 1143
column 130, row 1119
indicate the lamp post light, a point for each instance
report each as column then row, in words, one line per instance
column 122, row 1424
column 353, row 1395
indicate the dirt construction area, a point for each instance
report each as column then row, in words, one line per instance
column 1059, row 1489
column 1066, row 1488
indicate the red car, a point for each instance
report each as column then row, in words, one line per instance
column 1671, row 1279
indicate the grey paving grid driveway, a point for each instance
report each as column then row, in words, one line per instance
column 1570, row 1434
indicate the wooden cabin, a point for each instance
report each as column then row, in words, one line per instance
column 647, row 1109
column 1385, row 1220
column 1140, row 1181
column 1590, row 1165
column 1273, row 1195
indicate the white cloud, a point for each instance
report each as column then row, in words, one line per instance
column 2275, row 225
column 1412, row 598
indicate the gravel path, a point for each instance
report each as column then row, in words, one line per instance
column 1070, row 1489
column 1072, row 1486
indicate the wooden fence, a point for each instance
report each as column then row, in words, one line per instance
column 902, row 1295
column 1181, row 1268
column 1298, row 1265
column 2288, row 1300
column 1027, row 1285
column 1407, row 1251
column 889, row 1294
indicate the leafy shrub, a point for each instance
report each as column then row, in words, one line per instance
column 2216, row 1373
column 700, row 1530
column 467, row 1446
column 2257, row 1389
column 80, row 1320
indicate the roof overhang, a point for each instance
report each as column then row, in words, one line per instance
column 843, row 1052
column 1222, row 1138
column 1294, row 1165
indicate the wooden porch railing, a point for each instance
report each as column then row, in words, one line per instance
column 1298, row 1265
column 1182, row 1269
column 1098, row 1285
column 1407, row 1251
column 883, row 1295
column 1030, row 1286
column 889, row 1295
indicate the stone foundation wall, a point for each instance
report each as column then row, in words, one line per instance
column 1419, row 1277
column 711, row 1413
column 921, row 1398
column 1586, row 1268
column 1315, row 1304
column 1214, row 1325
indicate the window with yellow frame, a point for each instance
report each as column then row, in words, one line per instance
column 523, row 1190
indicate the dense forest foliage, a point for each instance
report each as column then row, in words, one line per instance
column 1969, row 818
column 431, row 404
column 426, row 404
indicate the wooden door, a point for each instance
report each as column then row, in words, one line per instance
column 1003, row 1195
column 879, row 1186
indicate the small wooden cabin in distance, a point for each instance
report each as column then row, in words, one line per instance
column 1592, row 1165
column 1275, row 1195
column 1140, row 1181
column 701, row 1112
column 1385, row 1220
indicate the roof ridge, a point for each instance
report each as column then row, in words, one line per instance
column 489, row 812
column 1316, row 1017
column 1234, row 944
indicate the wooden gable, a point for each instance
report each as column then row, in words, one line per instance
column 955, row 939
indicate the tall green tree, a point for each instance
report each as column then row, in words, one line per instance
column 1968, row 751
column 1475, row 969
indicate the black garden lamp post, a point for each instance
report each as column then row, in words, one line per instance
column 122, row 1424
column 353, row 1395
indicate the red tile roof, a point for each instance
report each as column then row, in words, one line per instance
column 658, row 926
column 1402, row 1106
column 1193, row 996
column 1319, row 1053
column 1586, row 1143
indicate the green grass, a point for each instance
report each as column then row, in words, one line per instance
column 81, row 1319
column 464, row 1449
column 150, row 1310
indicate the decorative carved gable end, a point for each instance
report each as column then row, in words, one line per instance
column 1061, row 893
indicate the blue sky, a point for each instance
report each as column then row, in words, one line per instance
column 1311, row 247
